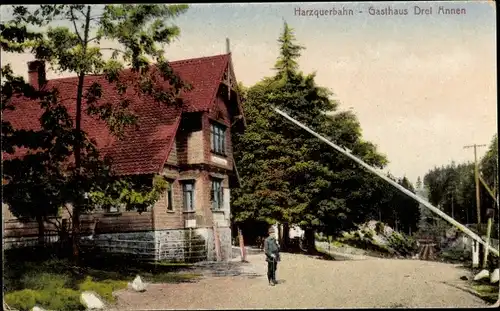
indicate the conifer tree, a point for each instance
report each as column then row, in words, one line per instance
column 288, row 175
column 286, row 64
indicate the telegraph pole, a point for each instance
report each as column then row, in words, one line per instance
column 476, row 177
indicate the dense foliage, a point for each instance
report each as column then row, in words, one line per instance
column 63, row 164
column 452, row 187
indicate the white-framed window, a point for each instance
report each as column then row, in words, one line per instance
column 216, row 194
column 188, row 195
column 218, row 138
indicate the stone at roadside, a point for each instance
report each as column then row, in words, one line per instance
column 464, row 278
column 380, row 240
column 372, row 224
column 494, row 276
column 138, row 285
column 388, row 231
column 37, row 308
column 483, row 274
column 91, row 301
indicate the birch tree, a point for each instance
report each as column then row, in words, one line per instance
column 138, row 34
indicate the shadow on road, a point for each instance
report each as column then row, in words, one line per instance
column 317, row 254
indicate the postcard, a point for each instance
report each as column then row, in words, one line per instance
column 250, row 155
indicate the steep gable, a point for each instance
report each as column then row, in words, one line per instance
column 144, row 149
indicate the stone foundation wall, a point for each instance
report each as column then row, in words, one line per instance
column 183, row 245
column 187, row 245
column 207, row 235
column 170, row 245
column 140, row 244
column 225, row 242
column 20, row 242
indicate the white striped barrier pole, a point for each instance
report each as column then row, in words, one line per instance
column 393, row 183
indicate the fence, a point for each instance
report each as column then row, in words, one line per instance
column 18, row 233
column 129, row 234
column 190, row 250
column 49, row 238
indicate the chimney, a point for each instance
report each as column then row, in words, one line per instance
column 228, row 48
column 228, row 72
column 36, row 74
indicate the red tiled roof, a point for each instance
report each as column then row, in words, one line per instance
column 145, row 149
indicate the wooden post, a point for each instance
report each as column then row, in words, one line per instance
column 475, row 254
column 478, row 193
column 491, row 192
column 476, row 178
column 488, row 233
column 242, row 246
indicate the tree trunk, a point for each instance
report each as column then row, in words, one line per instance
column 41, row 231
column 78, row 152
column 75, row 234
column 286, row 235
column 279, row 233
column 310, row 241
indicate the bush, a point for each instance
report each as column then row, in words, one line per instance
column 357, row 235
column 379, row 227
column 21, row 274
column 337, row 243
column 368, row 234
column 22, row 300
column 61, row 299
column 404, row 245
column 321, row 237
column 44, row 280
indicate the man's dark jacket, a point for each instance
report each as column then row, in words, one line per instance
column 271, row 247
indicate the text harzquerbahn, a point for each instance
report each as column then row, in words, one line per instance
column 323, row 12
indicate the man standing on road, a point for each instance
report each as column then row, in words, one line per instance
column 271, row 249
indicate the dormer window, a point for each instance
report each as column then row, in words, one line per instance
column 218, row 139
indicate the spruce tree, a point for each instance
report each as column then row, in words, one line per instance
column 286, row 64
column 288, row 175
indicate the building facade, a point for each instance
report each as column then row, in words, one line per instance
column 189, row 144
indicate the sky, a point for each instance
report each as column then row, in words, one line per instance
column 422, row 86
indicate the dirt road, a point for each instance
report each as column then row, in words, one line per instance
column 307, row 282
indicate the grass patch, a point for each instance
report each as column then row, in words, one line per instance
column 55, row 284
column 44, row 280
column 487, row 292
column 337, row 244
column 61, row 299
column 104, row 288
